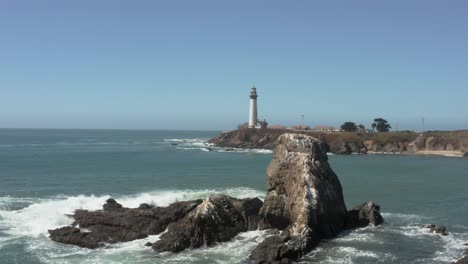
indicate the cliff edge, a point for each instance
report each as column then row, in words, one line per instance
column 433, row 142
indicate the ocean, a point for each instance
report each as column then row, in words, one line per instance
column 46, row 174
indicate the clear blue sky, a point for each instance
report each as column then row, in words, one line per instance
column 190, row 64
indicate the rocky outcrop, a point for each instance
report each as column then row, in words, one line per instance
column 192, row 224
column 341, row 146
column 92, row 229
column 363, row 215
column 248, row 138
column 305, row 201
column 437, row 229
column 217, row 219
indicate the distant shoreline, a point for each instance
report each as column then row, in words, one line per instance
column 438, row 143
column 441, row 153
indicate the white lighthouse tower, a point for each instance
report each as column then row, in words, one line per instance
column 253, row 118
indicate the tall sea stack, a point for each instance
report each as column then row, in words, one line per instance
column 304, row 200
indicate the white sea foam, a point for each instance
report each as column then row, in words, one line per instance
column 235, row 251
column 35, row 219
column 348, row 255
column 31, row 223
column 453, row 248
column 203, row 145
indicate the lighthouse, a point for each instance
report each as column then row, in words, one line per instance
column 253, row 118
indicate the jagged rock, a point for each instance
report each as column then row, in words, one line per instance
column 305, row 201
column 464, row 260
column 72, row 235
column 111, row 204
column 218, row 218
column 363, row 215
column 465, row 154
column 437, row 229
column 118, row 224
column 304, row 198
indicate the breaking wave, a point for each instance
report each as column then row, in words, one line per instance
column 202, row 144
column 383, row 244
column 26, row 221
column 29, row 224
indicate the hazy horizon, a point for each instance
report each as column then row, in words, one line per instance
column 189, row 66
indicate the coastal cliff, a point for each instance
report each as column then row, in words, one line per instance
column 433, row 142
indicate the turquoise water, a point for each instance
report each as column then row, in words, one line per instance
column 45, row 174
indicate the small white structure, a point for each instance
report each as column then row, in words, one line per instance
column 253, row 117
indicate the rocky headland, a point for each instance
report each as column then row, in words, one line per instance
column 449, row 143
column 304, row 204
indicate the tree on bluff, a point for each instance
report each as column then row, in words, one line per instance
column 381, row 125
column 349, row 127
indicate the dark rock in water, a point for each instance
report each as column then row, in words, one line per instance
column 280, row 249
column 218, row 218
column 145, row 206
column 174, row 144
column 465, row 252
column 464, row 260
column 465, row 154
column 111, row 204
column 363, row 215
column 148, row 244
column 118, row 224
column 72, row 235
column 305, row 200
column 437, row 229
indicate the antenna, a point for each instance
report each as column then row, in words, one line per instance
column 422, row 121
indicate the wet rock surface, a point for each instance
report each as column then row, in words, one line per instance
column 217, row 219
column 363, row 215
column 305, row 201
column 464, row 260
column 437, row 229
column 189, row 224
column 92, row 229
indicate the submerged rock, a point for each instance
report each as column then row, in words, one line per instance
column 305, row 201
column 92, row 229
column 217, row 219
column 437, row 229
